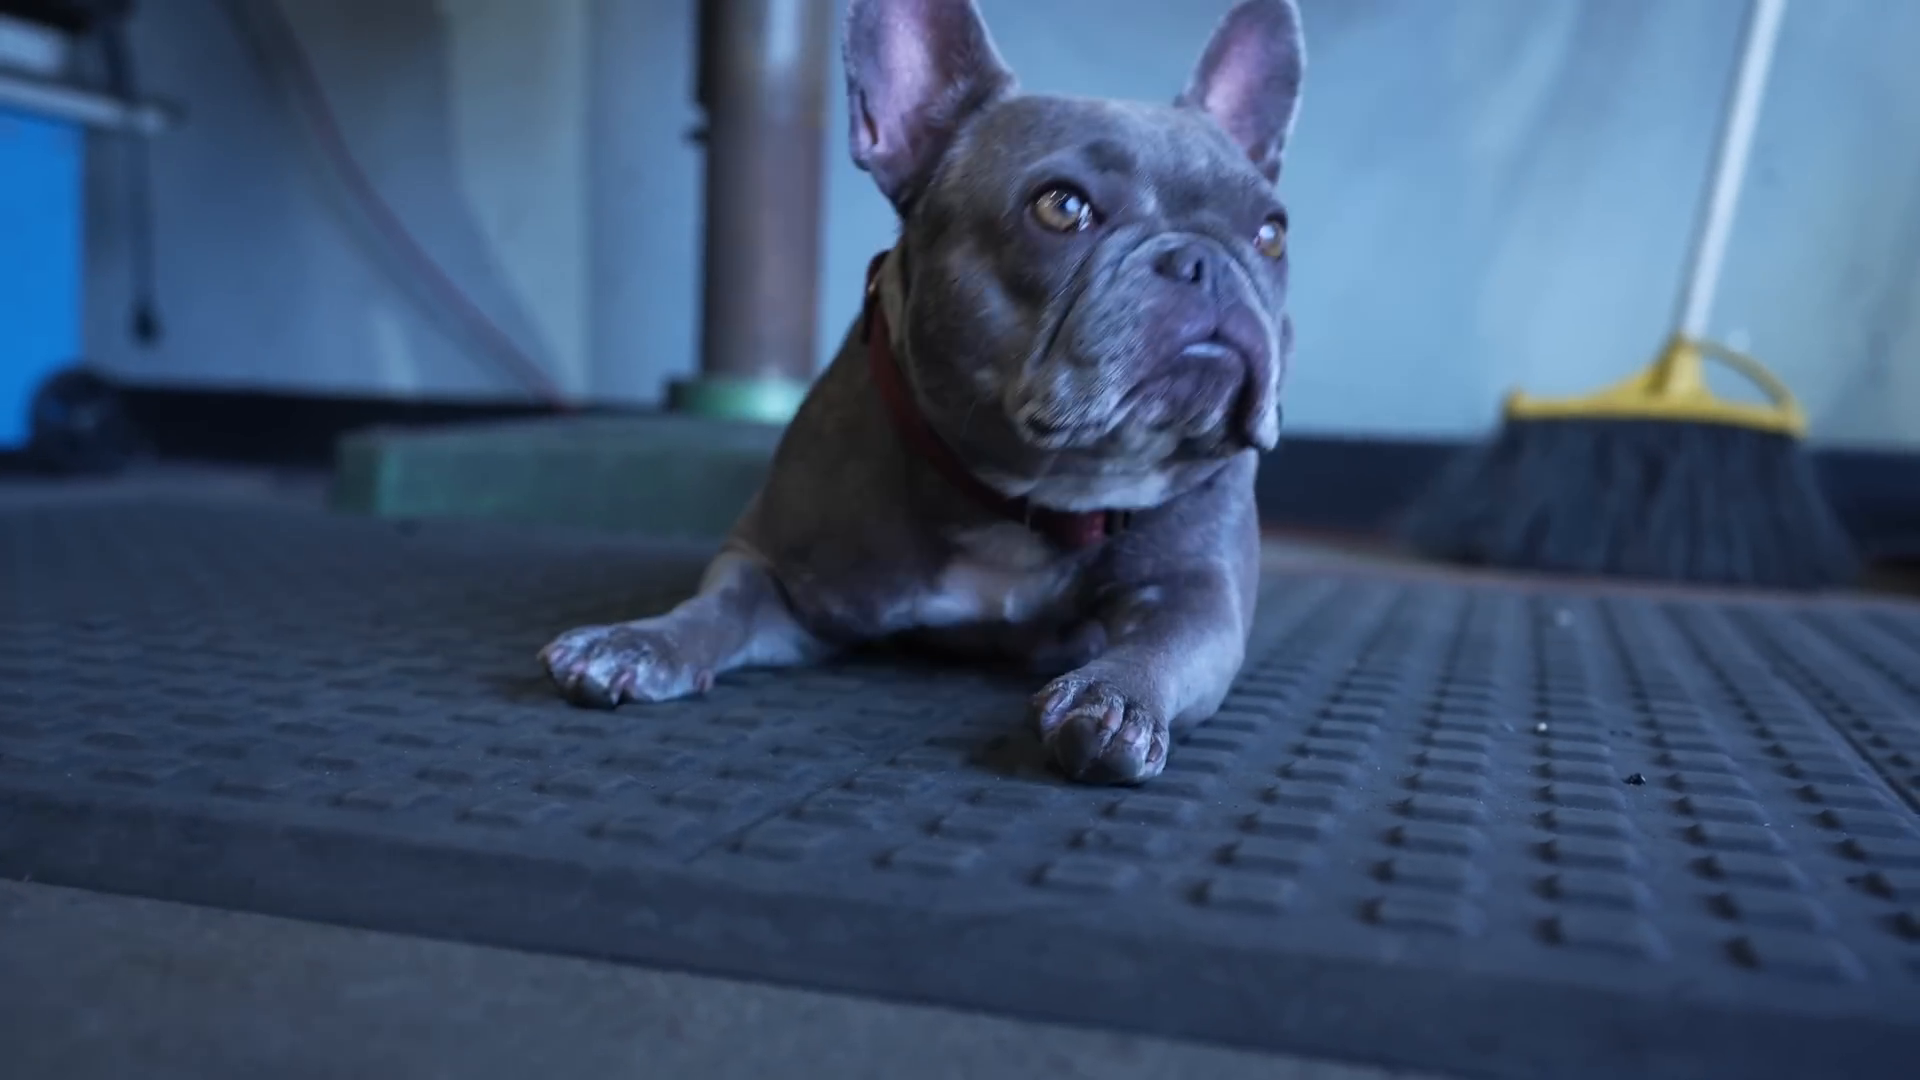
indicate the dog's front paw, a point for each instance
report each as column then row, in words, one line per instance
column 602, row 666
column 1097, row 734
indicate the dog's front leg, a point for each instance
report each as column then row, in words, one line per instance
column 1176, row 645
column 739, row 618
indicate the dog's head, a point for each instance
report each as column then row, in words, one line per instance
column 1094, row 292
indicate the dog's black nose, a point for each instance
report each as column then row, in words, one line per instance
column 1184, row 263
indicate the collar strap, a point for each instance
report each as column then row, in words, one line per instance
column 1074, row 531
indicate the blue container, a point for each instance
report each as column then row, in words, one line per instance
column 40, row 260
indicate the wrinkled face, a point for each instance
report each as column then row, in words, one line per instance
column 1094, row 291
column 1108, row 278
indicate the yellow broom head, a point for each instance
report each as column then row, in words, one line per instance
column 1674, row 388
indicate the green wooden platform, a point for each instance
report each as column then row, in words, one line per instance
column 664, row 476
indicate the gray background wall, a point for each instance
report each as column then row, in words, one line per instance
column 1485, row 193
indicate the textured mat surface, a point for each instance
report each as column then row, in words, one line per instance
column 1487, row 831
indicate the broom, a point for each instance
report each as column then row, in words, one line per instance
column 1655, row 477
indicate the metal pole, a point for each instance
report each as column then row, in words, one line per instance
column 762, row 80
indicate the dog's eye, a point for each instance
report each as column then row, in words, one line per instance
column 1063, row 209
column 1272, row 238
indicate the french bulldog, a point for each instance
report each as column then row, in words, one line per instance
column 1038, row 441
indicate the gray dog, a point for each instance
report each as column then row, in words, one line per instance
column 1039, row 440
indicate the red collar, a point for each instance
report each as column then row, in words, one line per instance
column 1074, row 531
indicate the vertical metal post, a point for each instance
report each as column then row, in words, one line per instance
column 762, row 81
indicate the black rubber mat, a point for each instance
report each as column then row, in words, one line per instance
column 1479, row 831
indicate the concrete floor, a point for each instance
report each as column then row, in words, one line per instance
column 95, row 986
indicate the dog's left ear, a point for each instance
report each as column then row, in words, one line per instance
column 1249, row 78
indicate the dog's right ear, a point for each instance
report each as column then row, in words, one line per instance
column 916, row 70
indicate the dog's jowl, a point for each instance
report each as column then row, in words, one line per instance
column 1039, row 438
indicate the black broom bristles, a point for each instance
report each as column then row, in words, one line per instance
column 1702, row 503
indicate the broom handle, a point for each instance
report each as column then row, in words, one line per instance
column 1715, row 227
